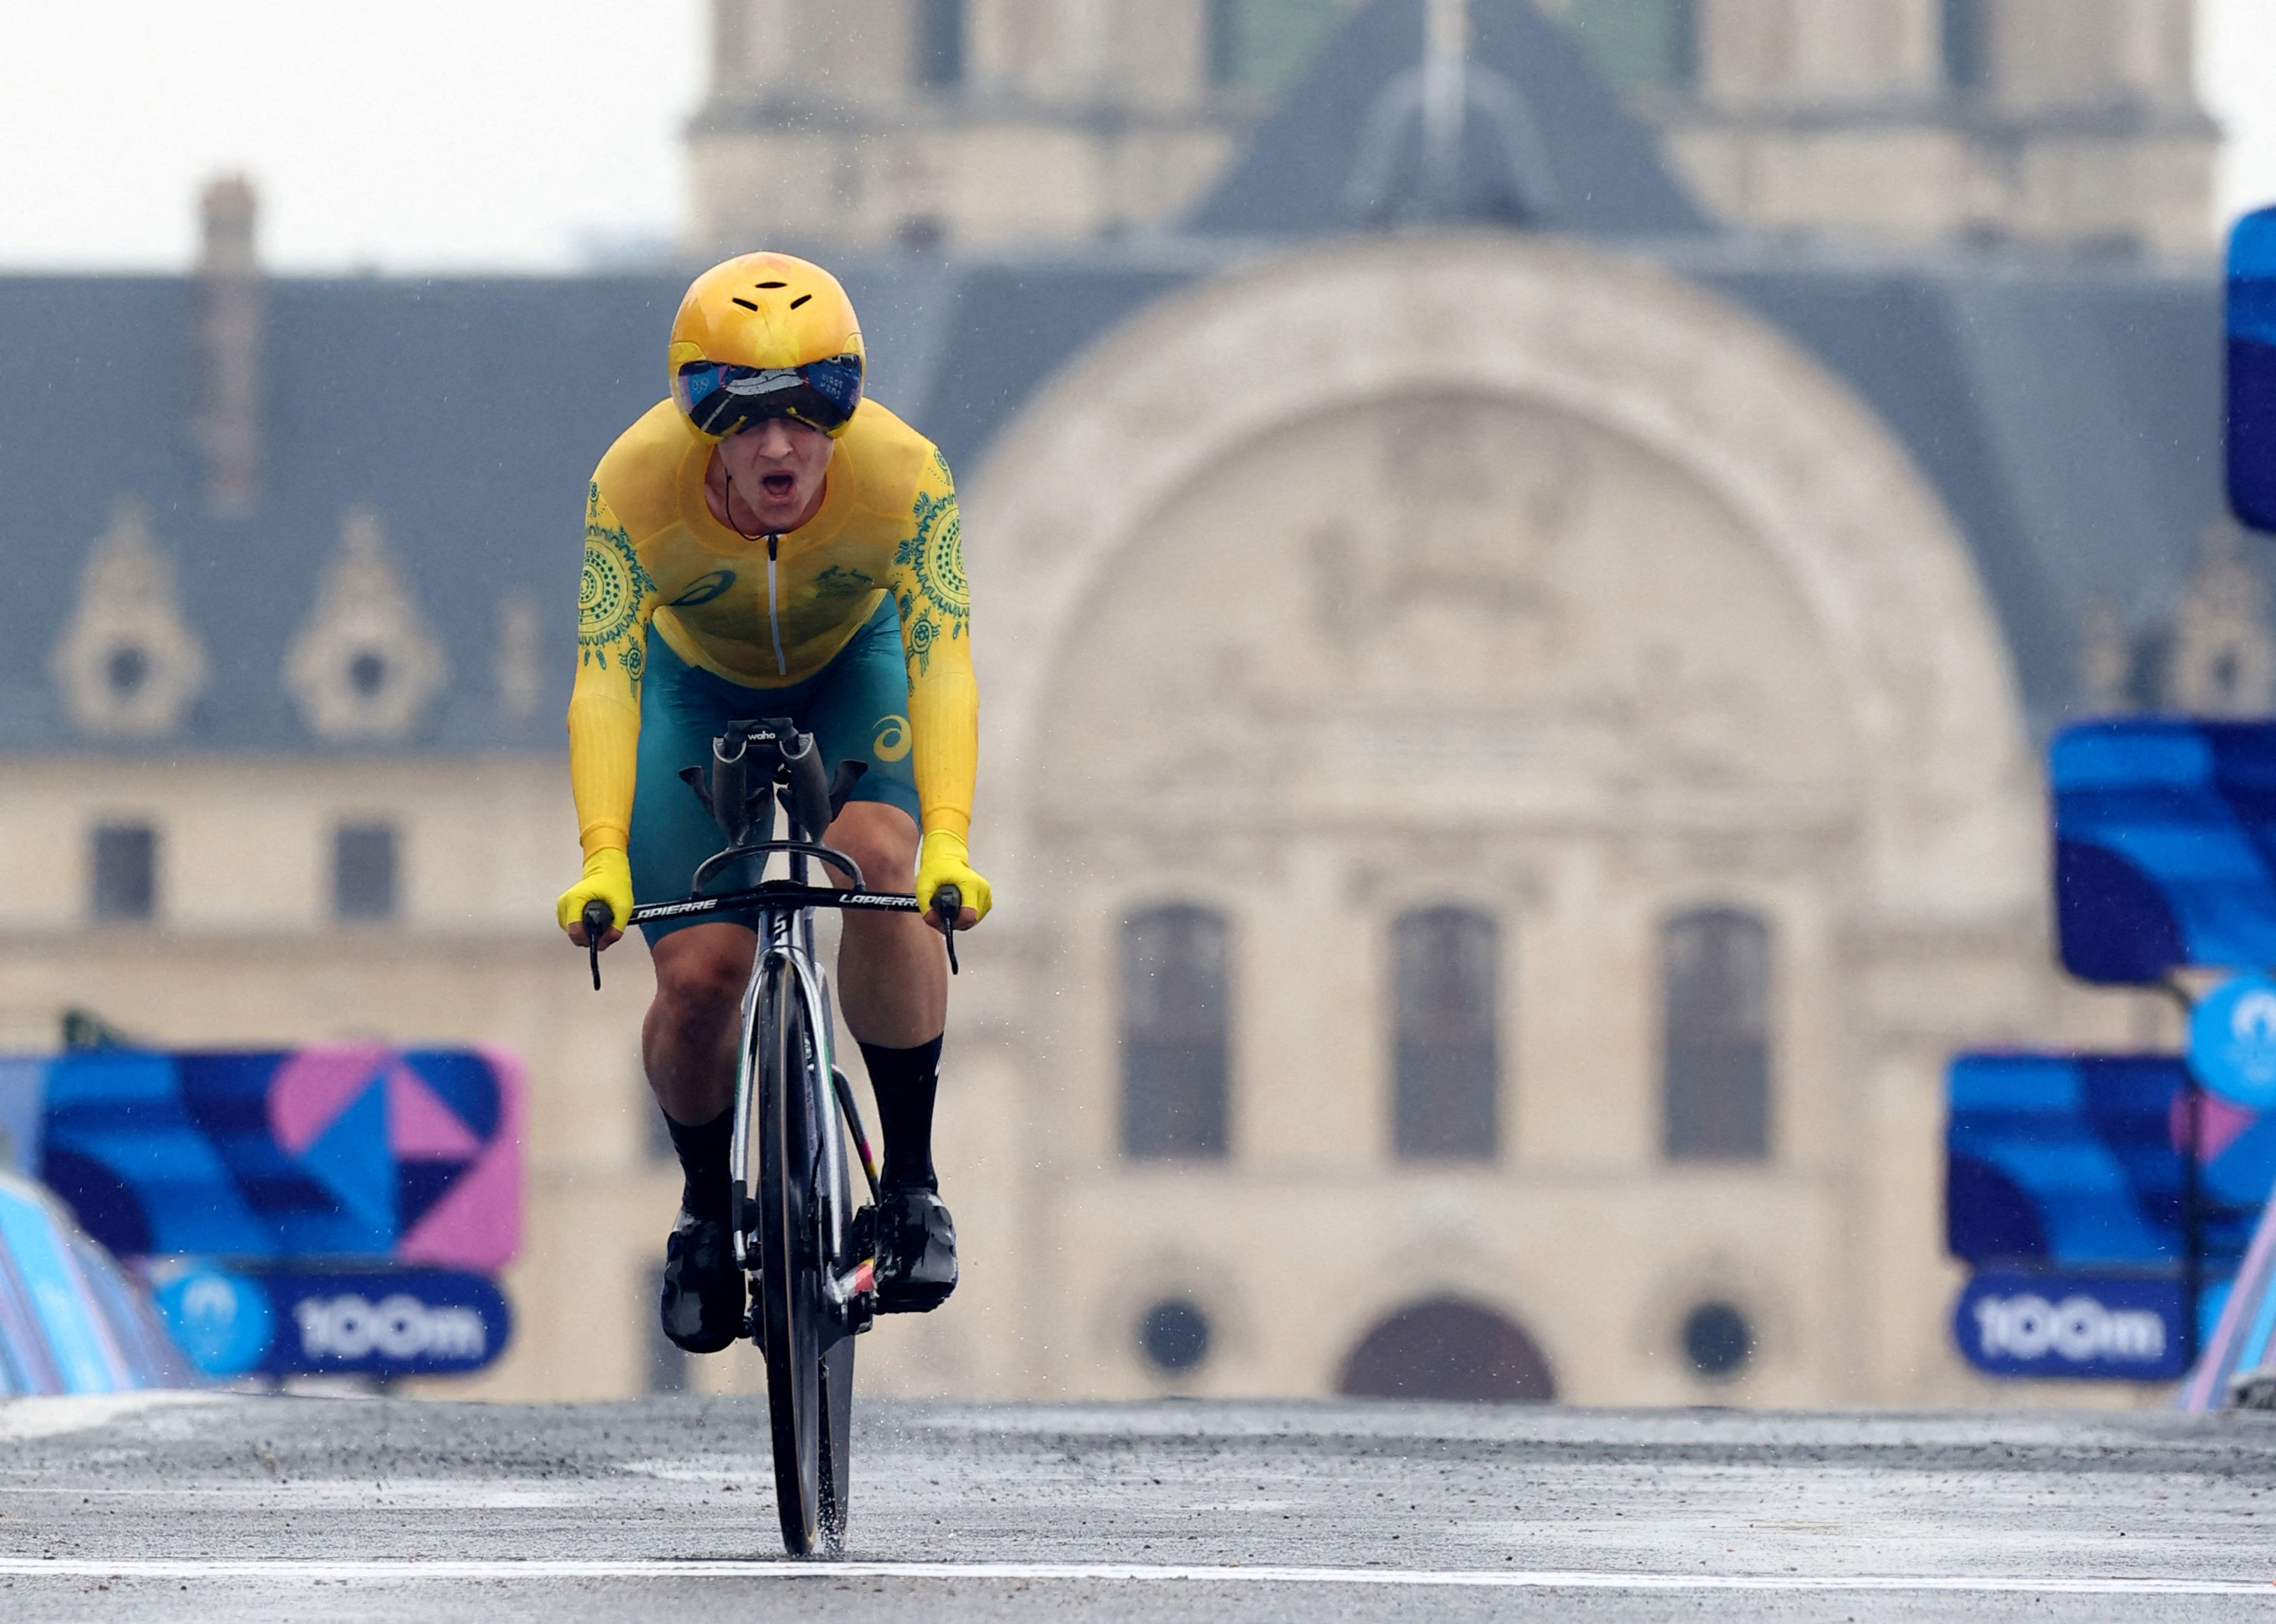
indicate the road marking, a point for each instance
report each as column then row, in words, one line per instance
column 53, row 1414
column 414, row 1571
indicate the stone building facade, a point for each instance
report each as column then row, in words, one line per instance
column 1509, row 756
column 985, row 124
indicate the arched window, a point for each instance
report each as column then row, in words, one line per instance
column 1445, row 1065
column 1175, row 1033
column 1715, row 1004
column 1448, row 1348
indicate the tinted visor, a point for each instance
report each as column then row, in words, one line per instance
column 720, row 400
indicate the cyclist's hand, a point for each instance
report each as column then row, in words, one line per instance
column 942, row 861
column 608, row 876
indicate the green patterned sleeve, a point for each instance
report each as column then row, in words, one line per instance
column 615, row 597
column 930, row 589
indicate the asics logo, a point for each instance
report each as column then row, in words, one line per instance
column 892, row 740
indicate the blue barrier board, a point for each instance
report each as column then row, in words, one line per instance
column 70, row 1321
column 2164, row 847
column 2081, row 1327
column 238, row 1320
column 2244, row 1337
column 2251, row 429
column 2074, row 1161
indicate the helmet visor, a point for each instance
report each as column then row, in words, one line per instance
column 719, row 399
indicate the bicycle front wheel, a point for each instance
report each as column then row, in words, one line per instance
column 809, row 1351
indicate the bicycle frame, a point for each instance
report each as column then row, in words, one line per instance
column 795, row 1225
column 786, row 944
column 785, row 928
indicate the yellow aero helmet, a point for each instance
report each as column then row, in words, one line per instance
column 765, row 335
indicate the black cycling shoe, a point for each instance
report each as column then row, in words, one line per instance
column 916, row 1252
column 703, row 1305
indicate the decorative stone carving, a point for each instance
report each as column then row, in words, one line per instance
column 515, row 664
column 1865, row 579
column 363, row 665
column 2221, row 659
column 127, row 665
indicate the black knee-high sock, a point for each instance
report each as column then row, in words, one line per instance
column 904, row 1082
column 705, row 1150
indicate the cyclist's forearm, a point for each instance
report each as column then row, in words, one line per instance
column 945, row 720
column 604, row 762
column 615, row 598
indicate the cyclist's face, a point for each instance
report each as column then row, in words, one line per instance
column 777, row 466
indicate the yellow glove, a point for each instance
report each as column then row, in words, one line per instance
column 607, row 875
column 942, row 861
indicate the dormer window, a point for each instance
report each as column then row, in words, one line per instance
column 127, row 665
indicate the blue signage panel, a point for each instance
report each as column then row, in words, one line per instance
column 2076, row 1161
column 2164, row 847
column 2087, row 1327
column 2252, row 369
column 2232, row 1041
column 383, row 1322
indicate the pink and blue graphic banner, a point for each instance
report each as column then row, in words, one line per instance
column 2080, row 1161
column 2164, row 847
column 351, row 1150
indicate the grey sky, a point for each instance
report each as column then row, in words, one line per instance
column 409, row 134
column 502, row 134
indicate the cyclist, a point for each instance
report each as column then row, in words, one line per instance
column 768, row 543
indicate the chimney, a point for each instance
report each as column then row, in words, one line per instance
column 228, row 426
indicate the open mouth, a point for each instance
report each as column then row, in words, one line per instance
column 779, row 486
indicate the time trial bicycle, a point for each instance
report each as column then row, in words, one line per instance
column 809, row 1254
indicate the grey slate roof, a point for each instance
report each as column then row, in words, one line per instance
column 2069, row 416
column 468, row 414
column 2067, row 412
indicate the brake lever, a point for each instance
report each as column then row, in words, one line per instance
column 598, row 917
column 947, row 903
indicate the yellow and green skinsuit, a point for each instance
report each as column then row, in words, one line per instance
column 769, row 612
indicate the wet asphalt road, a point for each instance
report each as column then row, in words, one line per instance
column 300, row 1508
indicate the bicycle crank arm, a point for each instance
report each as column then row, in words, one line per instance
column 859, row 1281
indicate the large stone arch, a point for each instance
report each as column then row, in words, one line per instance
column 1610, row 341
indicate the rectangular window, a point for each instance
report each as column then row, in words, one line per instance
column 1175, row 1033
column 1446, row 1073
column 1267, row 44
column 125, row 871
column 1715, row 1013
column 364, row 872
column 940, row 43
column 1967, row 44
column 1639, row 41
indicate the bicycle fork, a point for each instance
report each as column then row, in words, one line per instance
column 832, row 1118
